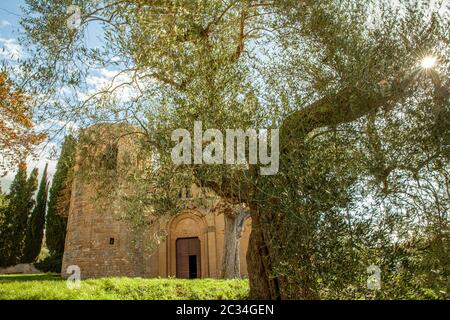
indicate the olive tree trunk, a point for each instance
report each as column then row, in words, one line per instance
column 234, row 224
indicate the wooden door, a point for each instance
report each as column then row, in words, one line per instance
column 188, row 258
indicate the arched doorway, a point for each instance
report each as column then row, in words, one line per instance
column 188, row 246
column 188, row 258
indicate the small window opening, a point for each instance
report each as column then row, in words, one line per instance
column 109, row 158
column 188, row 193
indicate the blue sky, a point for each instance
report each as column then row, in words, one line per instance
column 11, row 50
column 10, row 12
column 9, row 24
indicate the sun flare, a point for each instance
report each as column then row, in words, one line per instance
column 428, row 62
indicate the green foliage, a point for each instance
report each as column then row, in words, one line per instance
column 36, row 222
column 51, row 263
column 50, row 287
column 14, row 226
column 357, row 186
column 3, row 206
column 56, row 219
column 364, row 164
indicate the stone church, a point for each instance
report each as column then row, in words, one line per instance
column 189, row 244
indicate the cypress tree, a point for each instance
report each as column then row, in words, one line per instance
column 3, row 204
column 20, row 203
column 3, row 210
column 36, row 222
column 56, row 221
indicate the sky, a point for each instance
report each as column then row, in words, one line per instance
column 11, row 50
column 9, row 21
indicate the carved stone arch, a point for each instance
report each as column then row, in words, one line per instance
column 188, row 224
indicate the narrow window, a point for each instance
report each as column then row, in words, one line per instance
column 109, row 158
column 111, row 241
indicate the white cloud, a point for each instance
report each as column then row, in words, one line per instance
column 65, row 127
column 46, row 153
column 5, row 23
column 120, row 84
column 10, row 49
column 39, row 161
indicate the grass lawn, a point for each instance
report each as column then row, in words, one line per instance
column 51, row 286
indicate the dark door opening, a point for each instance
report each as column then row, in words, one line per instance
column 188, row 258
column 193, row 267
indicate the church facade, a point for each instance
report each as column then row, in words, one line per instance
column 189, row 244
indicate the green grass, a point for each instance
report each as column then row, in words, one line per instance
column 51, row 286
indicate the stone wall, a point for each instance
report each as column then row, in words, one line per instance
column 23, row 268
column 101, row 244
